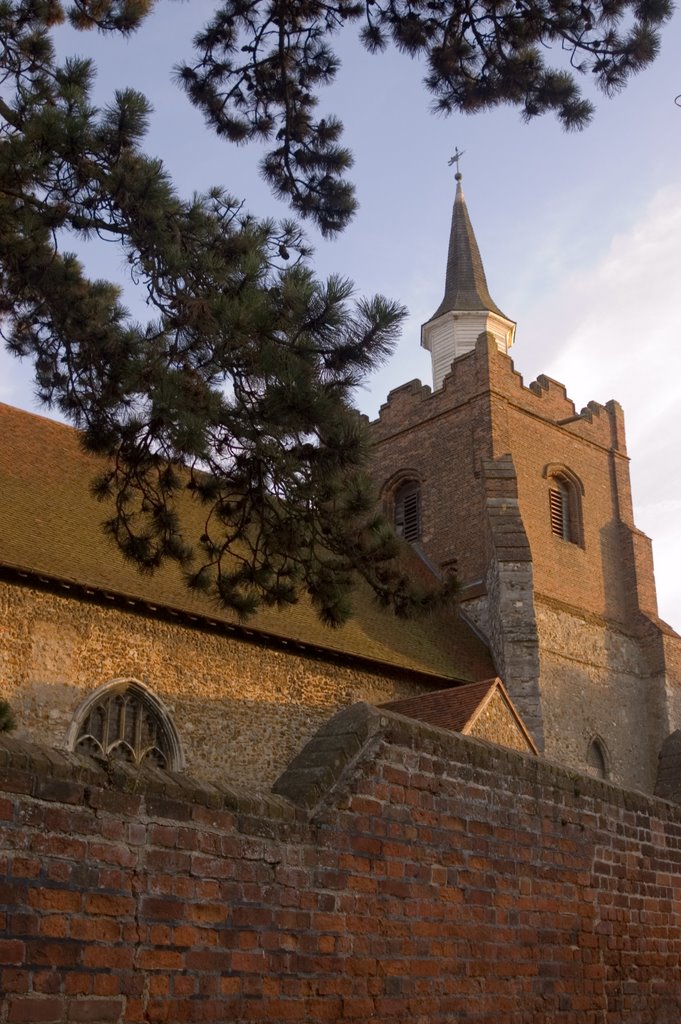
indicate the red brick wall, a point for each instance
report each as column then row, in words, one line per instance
column 441, row 438
column 401, row 874
column 484, row 410
column 594, row 575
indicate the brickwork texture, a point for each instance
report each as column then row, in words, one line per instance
column 571, row 623
column 484, row 411
column 398, row 873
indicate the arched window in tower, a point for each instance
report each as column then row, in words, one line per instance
column 408, row 510
column 565, row 503
column 124, row 721
column 596, row 759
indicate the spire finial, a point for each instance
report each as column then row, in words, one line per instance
column 458, row 153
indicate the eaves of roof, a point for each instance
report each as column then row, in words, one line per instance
column 50, row 529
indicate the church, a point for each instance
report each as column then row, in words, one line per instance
column 555, row 647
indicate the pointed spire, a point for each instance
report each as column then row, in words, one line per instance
column 465, row 283
column 467, row 309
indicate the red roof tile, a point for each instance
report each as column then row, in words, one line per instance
column 456, row 708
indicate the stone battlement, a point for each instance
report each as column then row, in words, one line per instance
column 485, row 369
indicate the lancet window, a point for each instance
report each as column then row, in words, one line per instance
column 596, row 759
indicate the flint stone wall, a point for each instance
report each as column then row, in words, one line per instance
column 600, row 681
column 242, row 710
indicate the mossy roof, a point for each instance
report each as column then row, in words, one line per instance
column 50, row 527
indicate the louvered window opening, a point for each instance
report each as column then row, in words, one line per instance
column 408, row 513
column 559, row 506
column 122, row 727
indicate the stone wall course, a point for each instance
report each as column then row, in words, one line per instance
column 598, row 681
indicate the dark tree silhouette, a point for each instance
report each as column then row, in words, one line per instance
column 227, row 417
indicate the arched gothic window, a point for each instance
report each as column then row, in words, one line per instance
column 596, row 759
column 124, row 721
column 407, row 505
column 565, row 503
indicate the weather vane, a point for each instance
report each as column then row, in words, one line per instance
column 458, row 153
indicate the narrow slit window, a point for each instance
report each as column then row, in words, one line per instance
column 596, row 761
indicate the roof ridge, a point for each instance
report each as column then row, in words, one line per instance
column 14, row 409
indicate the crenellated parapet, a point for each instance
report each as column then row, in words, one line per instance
column 485, row 370
column 415, row 403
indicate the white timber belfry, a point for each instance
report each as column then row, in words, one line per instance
column 467, row 308
column 456, row 332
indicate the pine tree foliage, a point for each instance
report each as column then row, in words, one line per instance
column 231, row 408
column 261, row 63
column 234, row 399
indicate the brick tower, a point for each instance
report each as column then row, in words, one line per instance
column 531, row 501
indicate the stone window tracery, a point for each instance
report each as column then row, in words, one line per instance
column 125, row 721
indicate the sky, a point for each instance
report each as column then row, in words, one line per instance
column 580, row 233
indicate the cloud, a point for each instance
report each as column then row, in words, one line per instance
column 616, row 333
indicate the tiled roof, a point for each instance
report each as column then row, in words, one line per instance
column 465, row 283
column 449, row 709
column 456, row 708
column 50, row 527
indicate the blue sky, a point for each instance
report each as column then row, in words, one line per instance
column 580, row 233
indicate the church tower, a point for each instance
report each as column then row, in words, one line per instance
column 529, row 500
